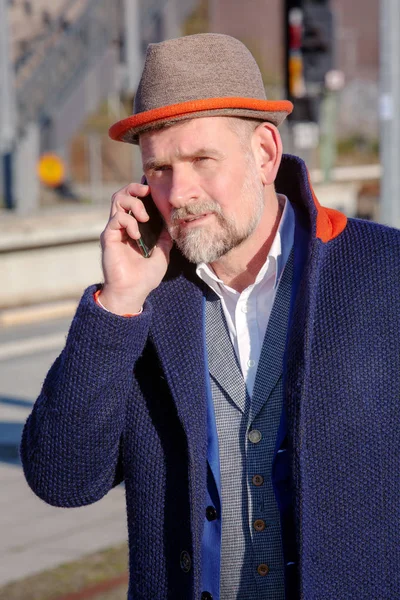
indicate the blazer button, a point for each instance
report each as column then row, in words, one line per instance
column 206, row 596
column 185, row 561
column 263, row 570
column 259, row 525
column 211, row 514
column 258, row 480
column 255, row 436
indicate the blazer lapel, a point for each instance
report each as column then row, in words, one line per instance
column 270, row 366
column 222, row 361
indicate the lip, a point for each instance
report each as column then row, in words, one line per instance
column 198, row 220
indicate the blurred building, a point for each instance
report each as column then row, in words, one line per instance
column 66, row 56
column 260, row 25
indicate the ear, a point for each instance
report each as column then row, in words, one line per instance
column 267, row 148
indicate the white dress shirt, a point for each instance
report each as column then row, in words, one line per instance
column 247, row 313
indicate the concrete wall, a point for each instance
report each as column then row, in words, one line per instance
column 49, row 257
column 56, row 255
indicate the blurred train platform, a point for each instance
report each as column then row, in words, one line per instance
column 35, row 536
column 50, row 256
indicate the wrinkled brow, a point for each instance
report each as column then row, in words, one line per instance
column 155, row 163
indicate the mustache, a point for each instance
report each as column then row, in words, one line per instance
column 195, row 209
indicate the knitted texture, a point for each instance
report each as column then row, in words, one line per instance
column 127, row 399
column 343, row 411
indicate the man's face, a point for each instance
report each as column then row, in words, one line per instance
column 205, row 184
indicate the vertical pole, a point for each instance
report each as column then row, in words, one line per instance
column 95, row 166
column 132, row 38
column 7, row 109
column 26, row 186
column 8, row 180
column 328, row 133
column 289, row 5
column 390, row 111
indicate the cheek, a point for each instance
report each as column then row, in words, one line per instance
column 229, row 192
column 160, row 197
column 165, row 210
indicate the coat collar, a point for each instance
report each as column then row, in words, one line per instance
column 293, row 180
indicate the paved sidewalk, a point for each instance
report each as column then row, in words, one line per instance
column 36, row 536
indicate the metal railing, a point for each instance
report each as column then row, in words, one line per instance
column 67, row 58
column 63, row 57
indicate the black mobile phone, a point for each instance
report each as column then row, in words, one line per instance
column 150, row 231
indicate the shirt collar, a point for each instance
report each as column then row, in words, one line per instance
column 277, row 255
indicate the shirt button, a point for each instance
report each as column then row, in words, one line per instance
column 258, row 480
column 185, row 561
column 244, row 308
column 211, row 514
column 255, row 436
column 206, row 596
column 263, row 570
column 251, row 363
column 259, row 525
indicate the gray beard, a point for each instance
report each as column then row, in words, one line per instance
column 204, row 244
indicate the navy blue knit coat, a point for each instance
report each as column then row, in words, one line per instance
column 126, row 400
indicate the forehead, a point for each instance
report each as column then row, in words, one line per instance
column 188, row 136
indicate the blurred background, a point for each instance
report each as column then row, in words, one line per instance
column 68, row 70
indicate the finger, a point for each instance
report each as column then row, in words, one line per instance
column 122, row 222
column 130, row 204
column 131, row 190
column 137, row 189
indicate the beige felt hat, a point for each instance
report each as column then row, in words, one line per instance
column 207, row 74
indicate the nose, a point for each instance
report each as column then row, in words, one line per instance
column 183, row 188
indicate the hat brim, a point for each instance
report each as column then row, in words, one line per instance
column 274, row 111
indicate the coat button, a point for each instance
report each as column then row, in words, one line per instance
column 258, row 480
column 255, row 436
column 259, row 525
column 185, row 561
column 206, row 596
column 263, row 570
column 211, row 514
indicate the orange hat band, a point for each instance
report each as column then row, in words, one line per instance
column 139, row 120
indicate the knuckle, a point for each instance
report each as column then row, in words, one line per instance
column 103, row 238
column 139, row 203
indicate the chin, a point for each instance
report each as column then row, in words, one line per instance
column 203, row 247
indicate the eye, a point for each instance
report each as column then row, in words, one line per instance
column 201, row 159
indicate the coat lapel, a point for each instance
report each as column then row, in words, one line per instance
column 177, row 333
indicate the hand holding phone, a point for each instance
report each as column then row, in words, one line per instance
column 133, row 229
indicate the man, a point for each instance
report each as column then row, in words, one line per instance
column 244, row 380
